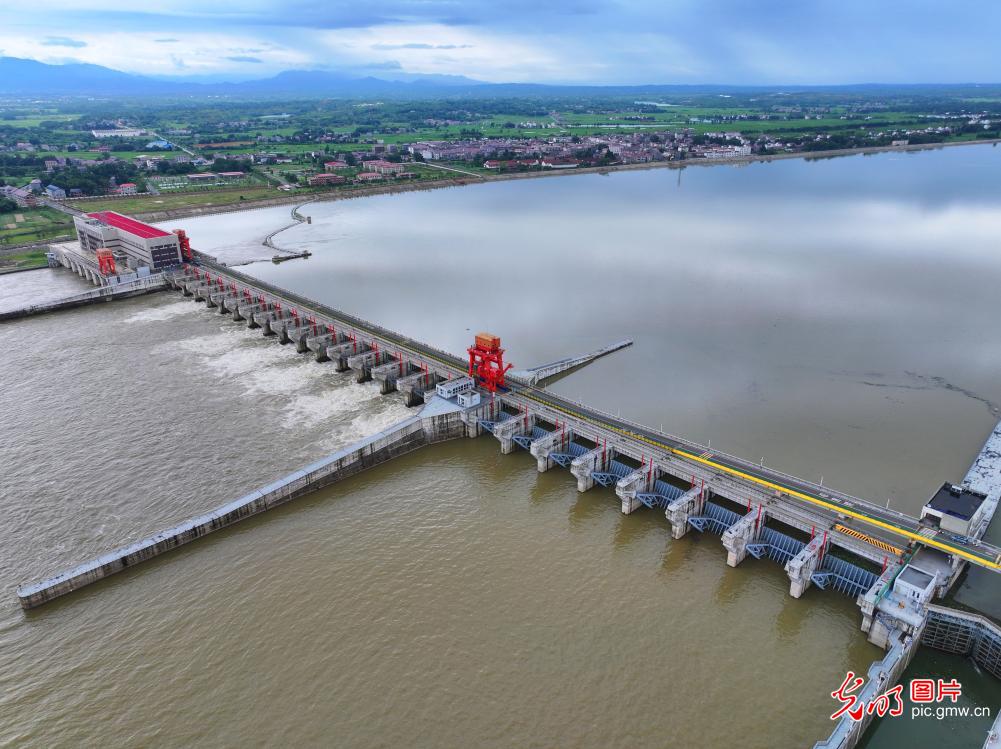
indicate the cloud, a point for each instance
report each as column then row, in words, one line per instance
column 62, row 41
column 244, row 58
column 386, row 65
column 418, row 45
column 564, row 41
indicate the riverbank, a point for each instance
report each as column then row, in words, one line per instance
column 30, row 258
column 471, row 178
column 476, row 179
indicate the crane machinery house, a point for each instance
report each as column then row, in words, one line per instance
column 142, row 244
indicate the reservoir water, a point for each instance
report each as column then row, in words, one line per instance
column 835, row 318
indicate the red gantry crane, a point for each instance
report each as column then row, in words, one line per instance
column 182, row 238
column 486, row 362
column 105, row 261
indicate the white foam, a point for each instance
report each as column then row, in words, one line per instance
column 310, row 396
column 162, row 312
column 247, row 359
column 205, row 345
column 391, row 410
column 285, row 378
column 311, row 410
column 376, row 415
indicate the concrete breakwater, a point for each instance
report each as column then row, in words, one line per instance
column 138, row 287
column 882, row 675
column 436, row 423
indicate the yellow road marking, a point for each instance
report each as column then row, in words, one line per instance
column 868, row 539
column 748, row 477
column 786, row 490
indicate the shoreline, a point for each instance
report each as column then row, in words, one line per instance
column 394, row 188
column 10, row 271
column 390, row 189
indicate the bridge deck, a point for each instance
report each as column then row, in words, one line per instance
column 886, row 522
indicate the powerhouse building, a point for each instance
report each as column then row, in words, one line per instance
column 141, row 243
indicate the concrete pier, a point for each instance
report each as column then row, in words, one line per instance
column 680, row 510
column 228, row 303
column 269, row 321
column 413, row 386
column 583, row 467
column 505, row 431
column 339, row 353
column 543, row 447
column 745, row 531
column 244, row 311
column 318, row 345
column 435, row 423
column 867, row 601
column 300, row 337
column 802, row 566
column 361, row 364
column 627, row 488
column 387, row 374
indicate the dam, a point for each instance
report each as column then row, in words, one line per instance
column 695, row 489
column 648, row 469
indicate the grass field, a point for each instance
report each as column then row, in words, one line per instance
column 180, row 183
column 35, row 121
column 37, row 225
column 91, row 155
column 22, row 261
column 173, row 201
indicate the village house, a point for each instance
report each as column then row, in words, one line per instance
column 319, row 180
column 382, row 167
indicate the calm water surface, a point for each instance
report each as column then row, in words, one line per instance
column 837, row 318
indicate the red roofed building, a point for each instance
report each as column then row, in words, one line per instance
column 326, row 179
column 142, row 243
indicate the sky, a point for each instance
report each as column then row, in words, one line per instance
column 541, row 41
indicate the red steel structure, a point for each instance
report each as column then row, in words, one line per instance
column 185, row 243
column 105, row 261
column 486, row 361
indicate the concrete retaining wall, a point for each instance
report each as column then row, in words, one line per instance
column 402, row 438
column 103, row 294
column 882, row 675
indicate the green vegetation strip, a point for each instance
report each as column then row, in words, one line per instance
column 22, row 261
column 37, row 225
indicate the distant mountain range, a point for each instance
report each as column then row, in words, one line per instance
column 30, row 77
column 19, row 77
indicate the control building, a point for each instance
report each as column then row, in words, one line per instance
column 142, row 244
column 955, row 509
